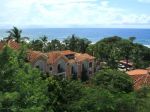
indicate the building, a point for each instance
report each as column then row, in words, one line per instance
column 67, row 64
column 11, row 43
column 125, row 66
column 141, row 77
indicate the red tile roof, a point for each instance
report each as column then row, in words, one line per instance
column 52, row 57
column 33, row 55
column 11, row 43
column 141, row 77
column 67, row 52
column 82, row 57
column 138, row 72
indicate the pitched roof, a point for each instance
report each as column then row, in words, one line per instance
column 67, row 52
column 34, row 55
column 11, row 43
column 52, row 57
column 82, row 57
column 138, row 72
column 141, row 77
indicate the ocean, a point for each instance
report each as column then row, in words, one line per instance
column 93, row 34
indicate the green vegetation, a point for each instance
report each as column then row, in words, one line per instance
column 15, row 33
column 22, row 89
column 113, row 80
column 109, row 50
column 113, row 49
column 26, row 89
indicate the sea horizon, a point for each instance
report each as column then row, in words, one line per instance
column 93, row 34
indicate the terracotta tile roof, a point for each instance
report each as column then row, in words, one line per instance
column 53, row 56
column 11, row 43
column 83, row 57
column 141, row 77
column 67, row 52
column 142, row 80
column 1, row 45
column 33, row 55
column 138, row 72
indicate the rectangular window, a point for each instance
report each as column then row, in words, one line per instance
column 90, row 64
column 50, row 68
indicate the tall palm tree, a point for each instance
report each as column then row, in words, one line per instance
column 83, row 44
column 44, row 41
column 71, row 42
column 15, row 33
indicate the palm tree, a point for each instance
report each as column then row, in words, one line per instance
column 15, row 33
column 71, row 42
column 56, row 45
column 36, row 45
column 83, row 44
column 44, row 41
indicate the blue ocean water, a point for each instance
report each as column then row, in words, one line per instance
column 93, row 34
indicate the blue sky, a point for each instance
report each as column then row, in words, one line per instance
column 75, row 13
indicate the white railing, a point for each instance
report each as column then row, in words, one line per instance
column 62, row 73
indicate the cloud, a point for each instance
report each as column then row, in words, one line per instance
column 67, row 12
column 144, row 1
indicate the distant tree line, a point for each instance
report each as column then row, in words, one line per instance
column 109, row 50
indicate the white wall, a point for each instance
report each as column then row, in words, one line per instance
column 41, row 64
column 62, row 64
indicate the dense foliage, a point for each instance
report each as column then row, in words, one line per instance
column 21, row 87
column 113, row 80
column 25, row 89
column 113, row 49
column 73, row 43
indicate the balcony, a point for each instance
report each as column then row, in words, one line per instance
column 62, row 73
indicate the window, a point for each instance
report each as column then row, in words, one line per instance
column 90, row 64
column 37, row 67
column 50, row 68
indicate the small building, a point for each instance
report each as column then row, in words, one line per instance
column 141, row 77
column 11, row 43
column 67, row 64
column 125, row 66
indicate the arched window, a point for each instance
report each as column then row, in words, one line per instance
column 90, row 64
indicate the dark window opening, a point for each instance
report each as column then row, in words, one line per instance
column 70, row 56
column 90, row 64
column 37, row 67
column 60, row 70
column 50, row 68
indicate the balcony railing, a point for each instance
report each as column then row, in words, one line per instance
column 60, row 70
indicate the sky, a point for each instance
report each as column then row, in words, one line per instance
column 75, row 13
